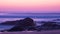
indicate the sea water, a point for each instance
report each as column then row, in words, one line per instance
column 34, row 16
column 6, row 27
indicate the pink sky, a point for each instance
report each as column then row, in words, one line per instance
column 30, row 6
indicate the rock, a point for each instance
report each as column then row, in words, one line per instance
column 24, row 24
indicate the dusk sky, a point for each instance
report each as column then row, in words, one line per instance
column 30, row 6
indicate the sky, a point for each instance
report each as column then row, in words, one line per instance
column 29, row 6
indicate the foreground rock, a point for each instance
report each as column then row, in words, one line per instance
column 25, row 24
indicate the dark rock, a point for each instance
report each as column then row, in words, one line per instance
column 8, row 23
column 50, row 26
column 24, row 24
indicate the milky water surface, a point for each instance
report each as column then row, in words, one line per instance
column 35, row 17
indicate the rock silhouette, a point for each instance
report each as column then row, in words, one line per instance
column 50, row 26
column 8, row 23
column 25, row 24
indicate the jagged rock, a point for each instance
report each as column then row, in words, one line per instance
column 24, row 24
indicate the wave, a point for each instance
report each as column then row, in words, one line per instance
column 30, row 16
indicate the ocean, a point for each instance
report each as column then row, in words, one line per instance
column 6, row 27
column 34, row 16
